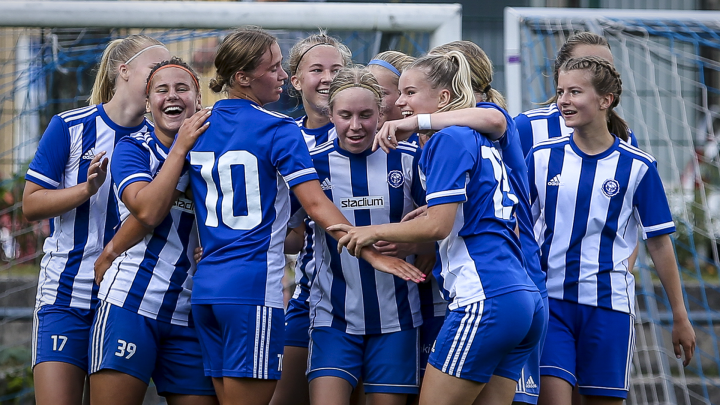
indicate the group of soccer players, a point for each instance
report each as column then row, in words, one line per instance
column 448, row 253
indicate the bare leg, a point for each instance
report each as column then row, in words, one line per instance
column 358, row 394
column 442, row 389
column 554, row 391
column 292, row 389
column 378, row 398
column 176, row 399
column 498, row 391
column 58, row 383
column 109, row 387
column 246, row 391
column 219, row 387
column 330, row 391
column 598, row 400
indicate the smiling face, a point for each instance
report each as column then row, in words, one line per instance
column 172, row 98
column 389, row 82
column 264, row 84
column 355, row 114
column 579, row 102
column 316, row 70
column 417, row 95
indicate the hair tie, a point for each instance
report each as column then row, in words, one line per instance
column 147, row 88
column 386, row 65
column 143, row 50
column 308, row 50
column 487, row 89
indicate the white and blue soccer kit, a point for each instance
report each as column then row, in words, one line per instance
column 240, row 172
column 353, row 307
column 145, row 294
column 540, row 124
column 297, row 316
column 587, row 211
column 496, row 318
column 67, row 295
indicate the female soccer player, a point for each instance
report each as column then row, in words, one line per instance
column 495, row 319
column 240, row 172
column 143, row 328
column 66, row 181
column 363, row 322
column 387, row 67
column 314, row 62
column 605, row 188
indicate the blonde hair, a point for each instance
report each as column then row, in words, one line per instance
column 241, row 50
column 606, row 80
column 449, row 71
column 398, row 60
column 118, row 52
column 480, row 66
column 298, row 51
column 355, row 76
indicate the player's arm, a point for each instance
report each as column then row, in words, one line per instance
column 661, row 251
column 130, row 233
column 294, row 240
column 325, row 213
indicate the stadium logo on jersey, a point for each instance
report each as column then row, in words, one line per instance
column 326, row 185
column 89, row 155
column 611, row 187
column 183, row 204
column 396, row 178
column 363, row 203
column 555, row 181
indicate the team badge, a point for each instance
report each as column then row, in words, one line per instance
column 610, row 187
column 396, row 178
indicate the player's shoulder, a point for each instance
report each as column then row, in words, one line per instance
column 78, row 114
column 323, row 149
column 410, row 148
column 263, row 113
column 550, row 111
column 551, row 143
column 636, row 153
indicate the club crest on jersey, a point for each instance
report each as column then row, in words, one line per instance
column 396, row 178
column 362, row 203
column 610, row 187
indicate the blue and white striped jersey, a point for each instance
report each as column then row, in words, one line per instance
column 305, row 264
column 240, row 171
column 462, row 166
column 544, row 123
column 587, row 210
column 78, row 236
column 514, row 159
column 432, row 302
column 154, row 277
column 369, row 188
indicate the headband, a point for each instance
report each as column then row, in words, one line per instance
column 384, row 64
column 143, row 50
column 365, row 86
column 308, row 50
column 147, row 89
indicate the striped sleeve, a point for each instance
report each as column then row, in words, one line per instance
column 290, row 154
column 651, row 205
column 130, row 164
column 48, row 166
column 445, row 164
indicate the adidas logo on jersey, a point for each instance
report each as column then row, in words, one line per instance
column 89, row 155
column 326, row 185
column 555, row 181
column 530, row 383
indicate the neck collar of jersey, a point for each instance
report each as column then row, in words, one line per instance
column 598, row 156
column 315, row 131
column 367, row 152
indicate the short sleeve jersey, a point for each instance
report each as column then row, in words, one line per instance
column 462, row 166
column 587, row 210
column 154, row 277
column 544, row 123
column 240, row 171
column 77, row 237
column 369, row 188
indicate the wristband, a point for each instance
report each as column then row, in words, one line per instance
column 424, row 122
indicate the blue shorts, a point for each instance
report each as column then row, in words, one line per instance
column 589, row 346
column 61, row 334
column 387, row 363
column 297, row 324
column 244, row 341
column 527, row 389
column 490, row 337
column 145, row 348
column 428, row 333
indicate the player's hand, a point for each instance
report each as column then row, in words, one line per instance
column 197, row 254
column 418, row 212
column 399, row 250
column 355, row 239
column 396, row 267
column 683, row 337
column 103, row 263
column 191, row 129
column 393, row 131
column 425, row 262
column 97, row 172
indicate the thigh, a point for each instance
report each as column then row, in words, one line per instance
column 558, row 358
column 58, row 383
column 297, row 324
column 390, row 363
column 439, row 388
column 111, row 387
column 179, row 366
column 61, row 334
column 605, row 348
column 527, row 387
column 124, row 341
column 428, row 333
column 335, row 353
column 292, row 389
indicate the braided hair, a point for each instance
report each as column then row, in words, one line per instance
column 605, row 80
